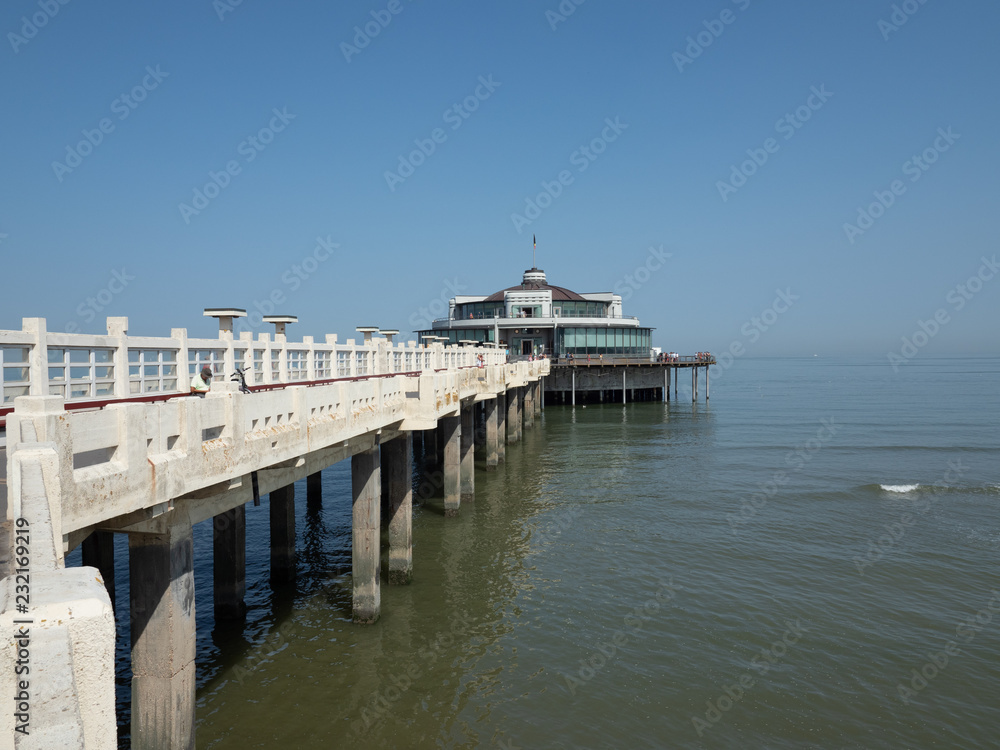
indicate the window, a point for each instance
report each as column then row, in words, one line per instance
column 296, row 363
column 14, row 372
column 323, row 368
column 150, row 371
column 343, row 364
column 80, row 373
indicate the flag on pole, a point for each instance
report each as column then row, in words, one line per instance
column 534, row 242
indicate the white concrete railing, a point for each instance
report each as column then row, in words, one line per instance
column 81, row 367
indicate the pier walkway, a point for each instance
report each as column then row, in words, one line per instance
column 102, row 437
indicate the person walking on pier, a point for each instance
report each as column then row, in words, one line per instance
column 202, row 382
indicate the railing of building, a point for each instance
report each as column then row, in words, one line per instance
column 95, row 369
column 529, row 317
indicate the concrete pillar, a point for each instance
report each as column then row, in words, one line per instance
column 573, row 397
column 541, row 395
column 161, row 572
column 314, row 489
column 282, row 508
column 676, row 392
column 431, row 447
column 666, row 385
column 694, row 384
column 467, row 459
column 529, row 406
column 501, row 410
column 229, row 563
column 99, row 552
column 511, row 416
column 366, row 536
column 492, row 460
column 520, row 413
column 397, row 473
column 451, row 430
column 624, row 370
column 706, row 384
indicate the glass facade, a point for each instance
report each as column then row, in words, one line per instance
column 477, row 310
column 460, row 334
column 631, row 342
column 578, row 309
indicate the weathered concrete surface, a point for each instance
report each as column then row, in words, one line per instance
column 452, row 434
column 71, row 647
column 229, row 563
column 490, row 409
column 282, row 517
column 161, row 572
column 467, row 458
column 397, row 472
column 366, row 536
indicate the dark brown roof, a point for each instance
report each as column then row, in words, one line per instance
column 559, row 294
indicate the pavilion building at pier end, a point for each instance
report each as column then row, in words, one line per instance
column 538, row 318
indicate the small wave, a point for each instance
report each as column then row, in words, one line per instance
column 899, row 487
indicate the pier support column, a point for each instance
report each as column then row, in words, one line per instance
column 314, row 489
column 490, row 408
column 706, row 384
column 451, row 428
column 540, row 404
column 229, row 563
column 624, row 392
column 666, row 384
column 520, row 413
column 397, row 470
column 501, row 412
column 694, row 384
column 282, row 508
column 529, row 406
column 467, row 459
column 676, row 392
column 573, row 392
column 161, row 572
column 511, row 416
column 99, row 552
column 431, row 447
column 366, row 535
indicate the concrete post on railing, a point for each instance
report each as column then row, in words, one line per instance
column 183, row 376
column 310, row 358
column 118, row 329
column 264, row 342
column 38, row 360
column 246, row 342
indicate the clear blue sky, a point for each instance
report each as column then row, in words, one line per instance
column 66, row 230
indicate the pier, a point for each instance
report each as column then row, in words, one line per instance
column 102, row 437
column 624, row 379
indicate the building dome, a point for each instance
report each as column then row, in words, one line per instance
column 534, row 280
